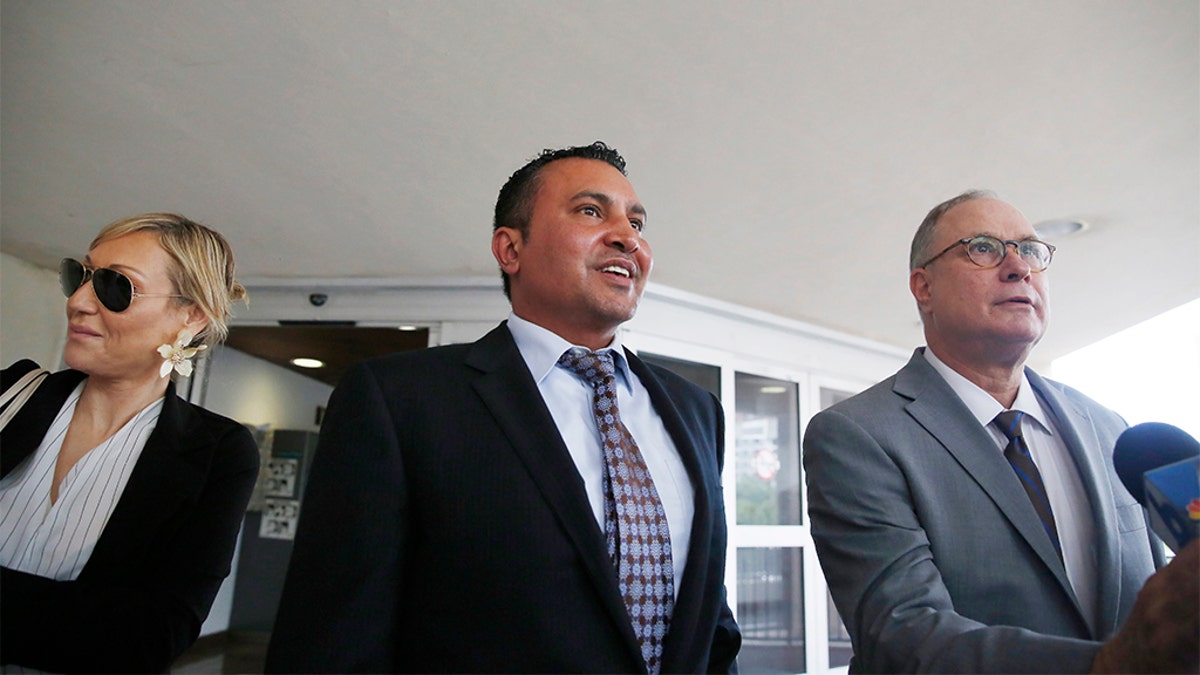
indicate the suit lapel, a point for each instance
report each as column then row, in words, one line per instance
column 690, row 601
column 169, row 472
column 938, row 409
column 512, row 396
column 166, row 473
column 1079, row 433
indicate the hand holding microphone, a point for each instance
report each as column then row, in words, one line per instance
column 1158, row 464
column 1162, row 633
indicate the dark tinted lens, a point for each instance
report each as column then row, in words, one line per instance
column 114, row 289
column 70, row 276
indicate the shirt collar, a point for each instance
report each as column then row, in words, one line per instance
column 981, row 404
column 541, row 348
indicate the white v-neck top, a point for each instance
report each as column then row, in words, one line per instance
column 56, row 541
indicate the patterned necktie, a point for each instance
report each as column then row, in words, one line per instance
column 635, row 523
column 1017, row 454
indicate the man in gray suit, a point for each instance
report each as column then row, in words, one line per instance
column 948, row 550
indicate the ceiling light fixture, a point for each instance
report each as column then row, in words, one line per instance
column 304, row 362
column 1059, row 228
column 773, row 389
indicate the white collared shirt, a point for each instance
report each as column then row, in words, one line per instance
column 56, row 541
column 569, row 399
column 1064, row 487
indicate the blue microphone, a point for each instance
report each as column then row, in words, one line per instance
column 1160, row 466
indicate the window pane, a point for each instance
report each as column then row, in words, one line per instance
column 768, row 451
column 832, row 396
column 703, row 375
column 839, row 638
column 840, row 650
column 770, row 610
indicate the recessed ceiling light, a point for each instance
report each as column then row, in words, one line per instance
column 1059, row 228
column 408, row 328
column 303, row 362
column 773, row 389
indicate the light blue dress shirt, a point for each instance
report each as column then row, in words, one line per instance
column 569, row 399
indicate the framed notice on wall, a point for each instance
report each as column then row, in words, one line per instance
column 279, row 518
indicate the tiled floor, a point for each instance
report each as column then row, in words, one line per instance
column 240, row 653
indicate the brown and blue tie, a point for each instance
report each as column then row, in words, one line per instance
column 1017, row 454
column 635, row 524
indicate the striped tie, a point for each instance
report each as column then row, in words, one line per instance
column 1017, row 454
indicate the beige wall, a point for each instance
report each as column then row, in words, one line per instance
column 33, row 321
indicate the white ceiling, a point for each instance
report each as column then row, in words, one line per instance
column 786, row 151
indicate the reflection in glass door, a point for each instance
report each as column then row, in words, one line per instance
column 770, row 579
column 840, row 650
column 766, row 520
column 768, row 451
column 703, row 375
column 770, row 610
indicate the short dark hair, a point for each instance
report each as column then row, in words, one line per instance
column 514, row 205
column 922, row 243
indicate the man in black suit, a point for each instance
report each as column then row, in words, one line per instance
column 459, row 516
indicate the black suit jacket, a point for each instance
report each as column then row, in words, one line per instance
column 445, row 528
column 142, row 596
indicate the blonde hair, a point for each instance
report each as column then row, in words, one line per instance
column 202, row 269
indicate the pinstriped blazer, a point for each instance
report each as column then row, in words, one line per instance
column 445, row 528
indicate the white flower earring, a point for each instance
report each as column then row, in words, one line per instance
column 178, row 356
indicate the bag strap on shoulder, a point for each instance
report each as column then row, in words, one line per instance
column 15, row 396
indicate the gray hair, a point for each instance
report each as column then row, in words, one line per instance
column 922, row 242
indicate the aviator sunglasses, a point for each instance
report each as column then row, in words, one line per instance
column 114, row 290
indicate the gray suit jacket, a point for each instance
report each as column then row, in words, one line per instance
column 933, row 553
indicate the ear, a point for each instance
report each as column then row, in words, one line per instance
column 506, row 248
column 918, row 285
column 196, row 320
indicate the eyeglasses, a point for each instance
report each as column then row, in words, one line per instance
column 114, row 290
column 987, row 251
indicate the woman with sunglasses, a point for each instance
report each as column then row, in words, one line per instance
column 120, row 502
